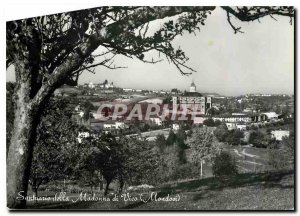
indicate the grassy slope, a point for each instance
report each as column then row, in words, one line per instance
column 243, row 192
column 251, row 191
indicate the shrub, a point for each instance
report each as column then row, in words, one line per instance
column 221, row 132
column 224, row 164
column 233, row 137
column 209, row 122
column 258, row 139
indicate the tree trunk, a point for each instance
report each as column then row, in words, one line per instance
column 20, row 151
column 201, row 169
column 106, row 188
column 100, row 186
column 36, row 194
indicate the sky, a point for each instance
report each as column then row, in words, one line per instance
column 261, row 60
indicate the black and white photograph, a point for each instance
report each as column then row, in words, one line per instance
column 151, row 108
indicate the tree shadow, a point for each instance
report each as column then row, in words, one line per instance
column 265, row 179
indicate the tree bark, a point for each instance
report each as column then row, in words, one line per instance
column 19, row 157
column 201, row 169
column 106, row 188
column 36, row 194
column 20, row 150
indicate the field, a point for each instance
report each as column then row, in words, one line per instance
column 249, row 159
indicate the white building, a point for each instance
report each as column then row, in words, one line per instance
column 114, row 125
column 109, row 85
column 241, row 127
column 271, row 115
column 91, row 85
column 109, row 125
column 175, row 126
column 156, row 120
column 82, row 135
column 119, row 125
column 127, row 89
column 234, row 118
column 279, row 134
column 231, row 125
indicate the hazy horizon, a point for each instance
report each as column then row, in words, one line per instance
column 259, row 61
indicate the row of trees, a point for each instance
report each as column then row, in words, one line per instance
column 59, row 154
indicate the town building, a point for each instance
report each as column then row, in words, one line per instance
column 91, row 85
column 279, row 134
column 271, row 115
column 156, row 120
column 127, row 90
column 175, row 126
column 192, row 101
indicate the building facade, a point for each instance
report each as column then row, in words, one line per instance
column 192, row 101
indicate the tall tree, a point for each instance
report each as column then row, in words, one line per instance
column 202, row 146
column 53, row 148
column 53, row 50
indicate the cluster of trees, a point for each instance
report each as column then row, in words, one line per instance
column 233, row 137
column 259, row 139
column 211, row 123
column 56, row 135
column 224, row 164
column 183, row 155
column 59, row 154
column 172, row 154
column 281, row 155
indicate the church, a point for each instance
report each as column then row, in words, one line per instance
column 192, row 101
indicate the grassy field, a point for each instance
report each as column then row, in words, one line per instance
column 249, row 159
column 248, row 191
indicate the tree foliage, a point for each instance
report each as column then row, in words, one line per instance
column 281, row 155
column 209, row 122
column 99, row 156
column 259, row 139
column 224, row 164
column 53, row 150
column 233, row 137
column 221, row 132
column 202, row 145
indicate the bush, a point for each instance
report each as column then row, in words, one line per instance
column 233, row 137
column 224, row 164
column 221, row 132
column 258, row 139
column 209, row 122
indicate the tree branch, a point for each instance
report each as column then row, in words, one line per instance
column 236, row 30
column 247, row 16
column 73, row 62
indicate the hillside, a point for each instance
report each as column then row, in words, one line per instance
column 249, row 191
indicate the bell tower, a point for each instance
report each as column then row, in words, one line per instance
column 193, row 87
